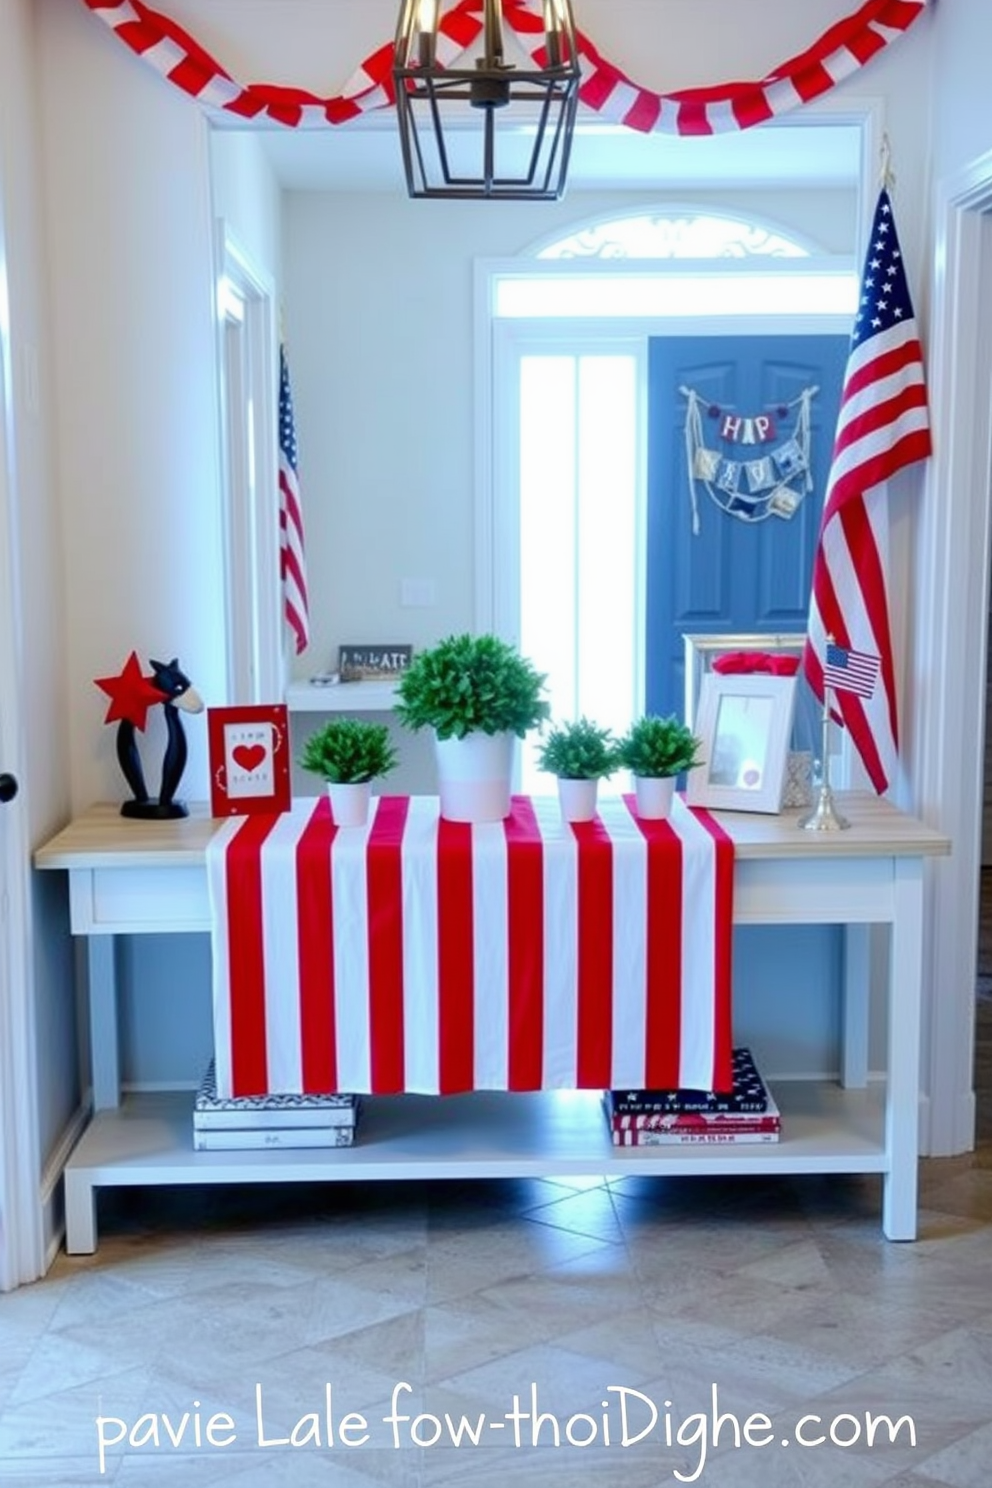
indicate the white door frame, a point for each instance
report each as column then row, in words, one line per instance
column 21, row 1236
column 948, row 713
column 248, row 395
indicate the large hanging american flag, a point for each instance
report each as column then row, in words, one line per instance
column 292, row 561
column 882, row 427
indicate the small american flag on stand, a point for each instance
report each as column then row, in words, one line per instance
column 292, row 561
column 850, row 671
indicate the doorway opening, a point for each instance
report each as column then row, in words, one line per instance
column 563, row 556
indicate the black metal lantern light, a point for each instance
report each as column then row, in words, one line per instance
column 527, row 113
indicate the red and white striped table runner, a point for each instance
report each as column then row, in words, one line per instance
column 417, row 954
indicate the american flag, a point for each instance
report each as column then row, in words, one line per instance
column 850, row 671
column 292, row 560
column 882, row 427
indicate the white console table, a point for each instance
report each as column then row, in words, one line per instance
column 131, row 877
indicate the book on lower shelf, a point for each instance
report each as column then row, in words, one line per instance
column 690, row 1128
column 720, row 1137
column 213, row 1112
column 256, row 1122
column 655, row 1118
column 261, row 1139
column 748, row 1094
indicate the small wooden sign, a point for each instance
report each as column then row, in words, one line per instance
column 373, row 663
column 249, row 759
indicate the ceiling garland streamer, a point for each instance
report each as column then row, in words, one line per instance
column 838, row 53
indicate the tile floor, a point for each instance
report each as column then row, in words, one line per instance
column 779, row 1294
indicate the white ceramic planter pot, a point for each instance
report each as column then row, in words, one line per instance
column 577, row 799
column 350, row 803
column 473, row 776
column 655, row 794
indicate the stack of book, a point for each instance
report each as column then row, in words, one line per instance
column 655, row 1118
column 261, row 1121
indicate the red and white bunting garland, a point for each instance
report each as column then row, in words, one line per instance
column 608, row 92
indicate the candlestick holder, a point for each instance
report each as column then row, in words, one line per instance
column 824, row 817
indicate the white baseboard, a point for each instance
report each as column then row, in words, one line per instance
column 50, row 1192
column 152, row 1087
column 964, row 1127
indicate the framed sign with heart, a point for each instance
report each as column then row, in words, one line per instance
column 249, row 759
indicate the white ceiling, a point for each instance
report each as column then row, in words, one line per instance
column 365, row 156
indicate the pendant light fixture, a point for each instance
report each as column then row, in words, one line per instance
column 526, row 113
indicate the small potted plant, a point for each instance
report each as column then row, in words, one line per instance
column 478, row 695
column 349, row 753
column 655, row 750
column 581, row 754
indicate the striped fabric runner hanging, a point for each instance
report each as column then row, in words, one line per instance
column 416, row 954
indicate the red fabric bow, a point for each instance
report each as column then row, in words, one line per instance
column 779, row 664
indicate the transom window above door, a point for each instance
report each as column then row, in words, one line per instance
column 657, row 235
column 672, row 265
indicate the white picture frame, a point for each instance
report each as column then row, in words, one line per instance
column 743, row 724
column 702, row 653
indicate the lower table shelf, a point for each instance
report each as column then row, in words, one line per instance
column 148, row 1140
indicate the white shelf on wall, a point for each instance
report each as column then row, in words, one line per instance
column 341, row 697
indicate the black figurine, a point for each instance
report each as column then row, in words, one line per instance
column 132, row 694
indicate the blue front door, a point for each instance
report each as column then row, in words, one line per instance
column 732, row 552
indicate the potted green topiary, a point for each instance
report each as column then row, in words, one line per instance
column 479, row 695
column 581, row 753
column 349, row 753
column 656, row 750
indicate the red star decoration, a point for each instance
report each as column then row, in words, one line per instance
column 131, row 694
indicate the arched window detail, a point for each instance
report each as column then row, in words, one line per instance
column 667, row 236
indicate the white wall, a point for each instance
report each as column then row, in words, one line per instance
column 130, row 239
column 245, row 195
column 130, row 232
column 962, row 112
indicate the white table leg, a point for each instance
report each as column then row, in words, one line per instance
column 902, row 1104
column 855, row 1004
column 104, row 1043
column 80, row 1214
